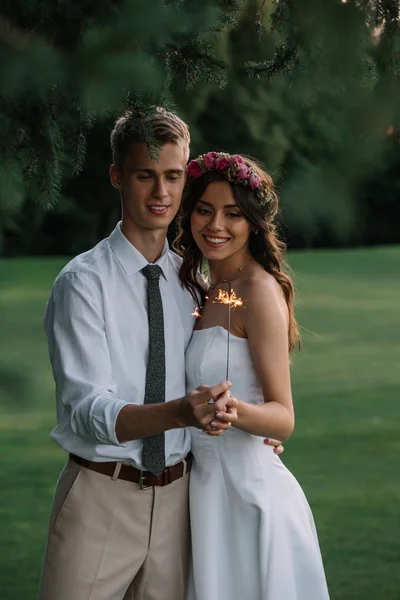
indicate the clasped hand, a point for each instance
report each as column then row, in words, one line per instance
column 225, row 413
column 210, row 408
column 214, row 410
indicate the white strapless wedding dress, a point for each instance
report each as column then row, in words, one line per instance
column 253, row 533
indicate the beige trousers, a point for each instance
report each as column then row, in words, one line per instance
column 110, row 540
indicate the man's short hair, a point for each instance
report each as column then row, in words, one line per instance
column 163, row 125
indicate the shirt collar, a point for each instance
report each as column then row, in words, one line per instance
column 129, row 257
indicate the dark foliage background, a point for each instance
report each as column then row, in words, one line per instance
column 309, row 88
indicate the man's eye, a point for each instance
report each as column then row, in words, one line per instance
column 174, row 178
column 143, row 177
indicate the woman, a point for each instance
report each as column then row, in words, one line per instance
column 253, row 532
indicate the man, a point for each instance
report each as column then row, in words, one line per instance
column 118, row 323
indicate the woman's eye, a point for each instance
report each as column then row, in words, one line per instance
column 234, row 215
column 203, row 211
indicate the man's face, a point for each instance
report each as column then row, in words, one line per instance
column 151, row 190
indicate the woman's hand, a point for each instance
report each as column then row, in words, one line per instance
column 225, row 415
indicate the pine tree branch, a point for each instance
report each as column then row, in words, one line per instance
column 259, row 18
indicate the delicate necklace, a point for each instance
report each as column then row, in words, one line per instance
column 213, row 285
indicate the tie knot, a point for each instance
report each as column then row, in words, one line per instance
column 152, row 272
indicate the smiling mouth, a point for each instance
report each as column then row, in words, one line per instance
column 215, row 242
column 158, row 209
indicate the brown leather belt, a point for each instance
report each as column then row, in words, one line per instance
column 145, row 479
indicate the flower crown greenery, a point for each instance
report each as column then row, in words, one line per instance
column 233, row 168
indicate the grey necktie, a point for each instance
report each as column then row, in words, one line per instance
column 153, row 457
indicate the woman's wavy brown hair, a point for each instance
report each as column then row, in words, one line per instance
column 265, row 244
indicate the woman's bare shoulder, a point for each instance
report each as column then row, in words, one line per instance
column 260, row 282
column 262, row 294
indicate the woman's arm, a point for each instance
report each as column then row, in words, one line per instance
column 266, row 326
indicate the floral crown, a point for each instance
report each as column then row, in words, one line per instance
column 233, row 168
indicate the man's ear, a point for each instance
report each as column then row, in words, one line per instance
column 115, row 176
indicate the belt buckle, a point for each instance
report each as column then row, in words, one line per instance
column 141, row 482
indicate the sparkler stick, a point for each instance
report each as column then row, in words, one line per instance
column 233, row 302
column 229, row 333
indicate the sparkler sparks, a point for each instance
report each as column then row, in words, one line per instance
column 196, row 312
column 229, row 298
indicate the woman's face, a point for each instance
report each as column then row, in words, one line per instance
column 219, row 228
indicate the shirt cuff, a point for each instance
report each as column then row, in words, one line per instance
column 104, row 416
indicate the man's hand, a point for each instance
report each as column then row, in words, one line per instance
column 196, row 410
column 277, row 445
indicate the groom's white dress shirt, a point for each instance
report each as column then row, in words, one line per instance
column 97, row 328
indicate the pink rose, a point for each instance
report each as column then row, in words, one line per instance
column 243, row 172
column 194, row 169
column 235, row 159
column 209, row 160
column 221, row 163
column 254, row 181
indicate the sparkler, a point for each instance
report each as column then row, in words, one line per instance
column 196, row 312
column 233, row 302
column 229, row 298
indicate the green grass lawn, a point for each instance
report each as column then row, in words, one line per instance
column 345, row 450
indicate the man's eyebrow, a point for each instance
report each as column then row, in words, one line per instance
column 152, row 172
column 226, row 205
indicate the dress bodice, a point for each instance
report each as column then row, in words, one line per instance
column 206, row 359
